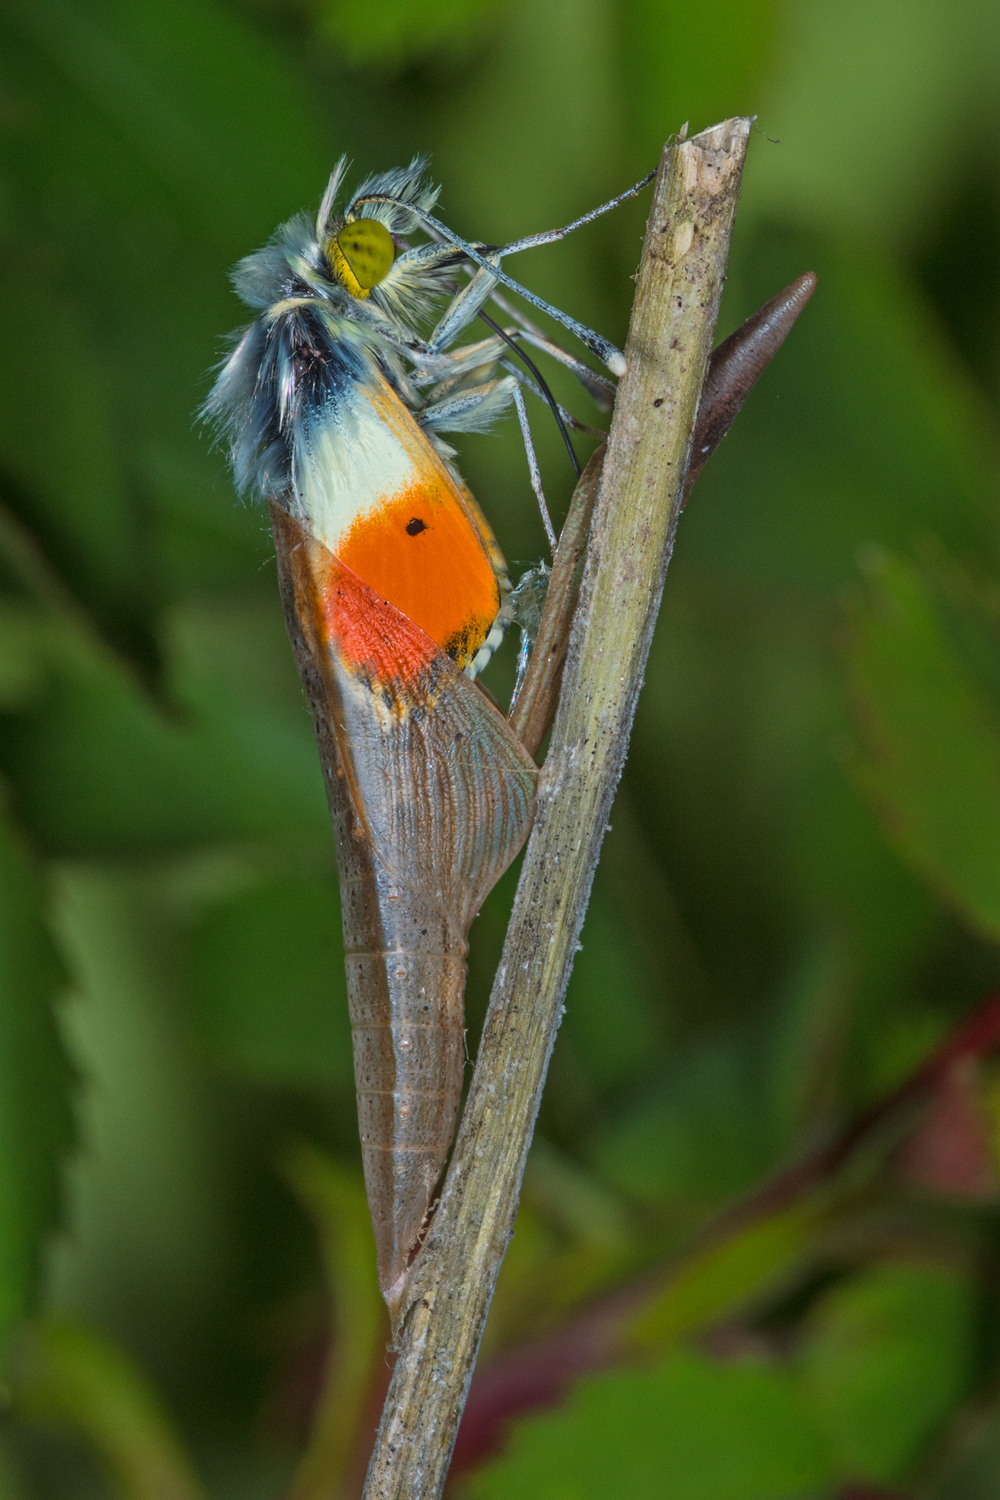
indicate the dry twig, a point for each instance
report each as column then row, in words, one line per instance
column 673, row 320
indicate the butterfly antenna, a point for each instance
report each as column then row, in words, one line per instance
column 550, row 236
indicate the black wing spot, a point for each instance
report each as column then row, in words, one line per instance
column 415, row 526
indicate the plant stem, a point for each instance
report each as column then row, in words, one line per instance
column 673, row 320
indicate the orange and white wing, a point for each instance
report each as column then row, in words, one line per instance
column 441, row 786
column 372, row 488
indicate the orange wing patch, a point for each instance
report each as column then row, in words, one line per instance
column 423, row 552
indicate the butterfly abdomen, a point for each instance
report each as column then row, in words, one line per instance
column 406, row 981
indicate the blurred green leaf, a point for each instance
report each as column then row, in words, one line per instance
column 23, row 638
column 871, row 101
column 11, row 1486
column 60, row 461
column 204, row 105
column 722, row 1280
column 930, row 740
column 267, row 984
column 149, row 1259
column 973, row 1471
column 687, row 1143
column 686, row 63
column 35, row 1079
column 72, row 1378
column 688, row 1429
column 865, row 429
column 571, row 1239
column 887, row 1356
column 810, row 1027
column 100, row 767
column 611, row 1039
column 574, row 1201
column 399, row 31
column 335, row 1198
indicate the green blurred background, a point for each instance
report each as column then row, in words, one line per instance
column 801, row 891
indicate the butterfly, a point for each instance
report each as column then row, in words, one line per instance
column 396, row 594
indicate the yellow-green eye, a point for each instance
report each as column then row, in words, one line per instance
column 362, row 254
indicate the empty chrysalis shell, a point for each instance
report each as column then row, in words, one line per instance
column 361, row 254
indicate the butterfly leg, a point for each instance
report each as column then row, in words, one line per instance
column 469, row 408
column 463, row 307
column 595, row 342
column 533, row 469
column 600, row 389
column 468, row 304
column 550, row 236
column 566, row 416
column 445, row 372
column 449, row 372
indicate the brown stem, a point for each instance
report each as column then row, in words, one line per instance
column 677, row 298
column 531, row 713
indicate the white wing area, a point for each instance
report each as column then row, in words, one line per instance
column 348, row 462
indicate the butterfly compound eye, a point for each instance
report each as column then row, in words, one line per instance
column 365, row 252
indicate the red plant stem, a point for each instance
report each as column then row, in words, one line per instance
column 977, row 1035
